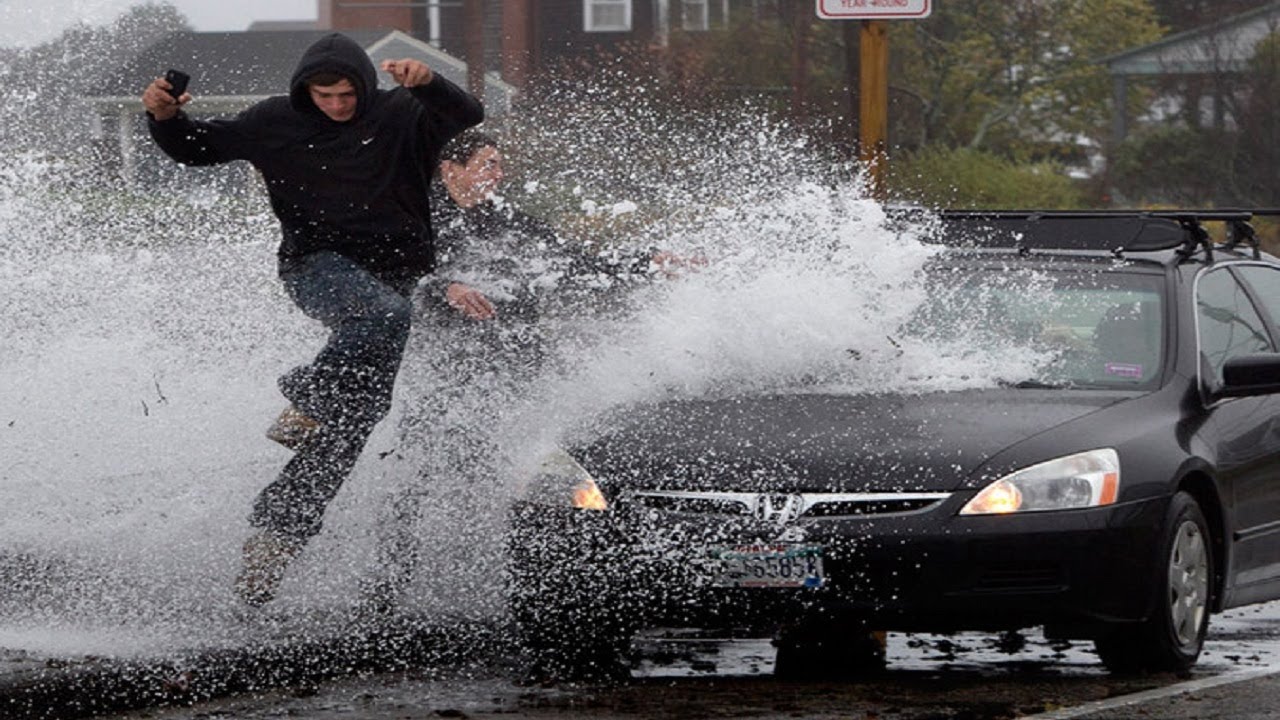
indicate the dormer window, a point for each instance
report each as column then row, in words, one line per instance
column 606, row 15
column 696, row 15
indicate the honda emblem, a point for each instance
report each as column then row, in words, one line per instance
column 778, row 509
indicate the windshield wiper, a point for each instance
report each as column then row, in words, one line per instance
column 1033, row 385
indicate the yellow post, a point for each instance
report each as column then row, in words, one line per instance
column 873, row 102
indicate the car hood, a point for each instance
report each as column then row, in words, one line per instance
column 828, row 442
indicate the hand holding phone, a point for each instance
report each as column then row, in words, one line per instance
column 178, row 81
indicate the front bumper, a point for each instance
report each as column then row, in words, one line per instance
column 932, row 571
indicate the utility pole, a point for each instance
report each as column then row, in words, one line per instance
column 873, row 103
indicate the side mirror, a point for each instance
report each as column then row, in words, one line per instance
column 1248, row 375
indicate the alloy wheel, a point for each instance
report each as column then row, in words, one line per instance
column 1188, row 583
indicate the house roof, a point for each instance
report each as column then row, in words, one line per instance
column 223, row 63
column 498, row 95
column 233, row 69
column 1224, row 46
column 264, row 25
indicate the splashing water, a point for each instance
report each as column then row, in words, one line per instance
column 26, row 24
column 140, row 339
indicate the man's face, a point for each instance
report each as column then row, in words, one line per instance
column 477, row 179
column 484, row 171
column 337, row 101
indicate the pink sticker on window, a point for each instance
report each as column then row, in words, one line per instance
column 1125, row 370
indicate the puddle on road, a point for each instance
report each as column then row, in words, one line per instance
column 975, row 675
column 1243, row 638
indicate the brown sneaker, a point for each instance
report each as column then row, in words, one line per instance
column 292, row 428
column 266, row 556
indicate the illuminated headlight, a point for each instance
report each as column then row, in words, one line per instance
column 1087, row 479
column 561, row 482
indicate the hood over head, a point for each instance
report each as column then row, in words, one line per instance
column 334, row 53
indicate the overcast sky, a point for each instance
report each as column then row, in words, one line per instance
column 237, row 14
column 28, row 22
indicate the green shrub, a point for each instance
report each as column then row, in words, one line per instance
column 1181, row 167
column 971, row 179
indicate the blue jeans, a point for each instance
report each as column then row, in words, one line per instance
column 347, row 388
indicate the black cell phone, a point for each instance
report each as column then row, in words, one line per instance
column 178, row 80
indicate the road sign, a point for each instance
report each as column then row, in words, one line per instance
column 873, row 9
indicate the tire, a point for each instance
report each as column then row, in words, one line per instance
column 570, row 623
column 844, row 651
column 562, row 643
column 1170, row 639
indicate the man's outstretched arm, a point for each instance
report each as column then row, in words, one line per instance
column 451, row 108
column 186, row 141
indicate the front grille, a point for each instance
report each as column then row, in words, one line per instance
column 851, row 508
column 696, row 505
column 783, row 507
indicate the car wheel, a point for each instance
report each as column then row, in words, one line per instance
column 847, row 651
column 562, row 643
column 570, row 624
column 1171, row 638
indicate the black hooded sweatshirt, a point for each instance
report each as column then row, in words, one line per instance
column 360, row 187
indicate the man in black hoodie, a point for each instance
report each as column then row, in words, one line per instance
column 347, row 168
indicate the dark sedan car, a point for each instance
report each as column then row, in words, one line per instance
column 1121, row 489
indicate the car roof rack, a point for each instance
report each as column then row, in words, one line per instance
column 1242, row 233
column 1119, row 231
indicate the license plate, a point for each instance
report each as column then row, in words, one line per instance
column 770, row 566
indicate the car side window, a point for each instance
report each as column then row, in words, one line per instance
column 1265, row 283
column 1229, row 325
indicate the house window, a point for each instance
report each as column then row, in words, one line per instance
column 607, row 15
column 696, row 14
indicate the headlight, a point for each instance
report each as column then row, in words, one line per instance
column 1087, row 479
column 560, row 481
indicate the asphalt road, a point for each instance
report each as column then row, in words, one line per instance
column 968, row 676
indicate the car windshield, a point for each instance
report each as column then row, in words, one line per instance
column 1088, row 327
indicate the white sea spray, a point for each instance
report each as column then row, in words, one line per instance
column 142, row 328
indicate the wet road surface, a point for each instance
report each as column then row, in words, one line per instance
column 969, row 675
